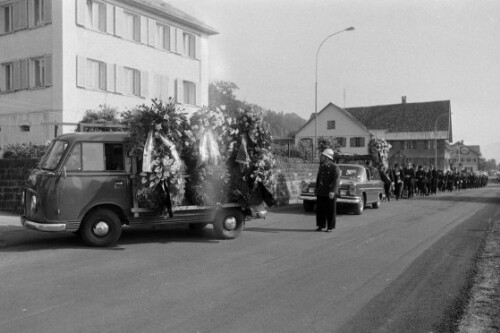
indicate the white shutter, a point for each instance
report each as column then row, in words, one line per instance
column 110, row 78
column 47, row 60
column 80, row 12
column 24, row 74
column 119, row 84
column 144, row 29
column 151, row 32
column 2, row 77
column 31, row 13
column 119, row 17
column 17, row 75
column 180, row 42
column 81, row 69
column 20, row 14
column 173, row 38
column 197, row 87
column 197, row 47
column 144, row 84
column 2, row 22
column 110, row 19
column 47, row 11
column 179, row 91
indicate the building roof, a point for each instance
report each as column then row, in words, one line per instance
column 405, row 117
column 162, row 8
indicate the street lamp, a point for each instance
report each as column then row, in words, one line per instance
column 435, row 140
column 316, row 89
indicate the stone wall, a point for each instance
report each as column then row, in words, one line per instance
column 13, row 174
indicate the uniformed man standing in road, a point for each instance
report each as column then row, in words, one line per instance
column 327, row 185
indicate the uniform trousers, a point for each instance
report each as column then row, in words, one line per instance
column 326, row 212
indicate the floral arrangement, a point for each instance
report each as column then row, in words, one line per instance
column 379, row 150
column 167, row 135
column 251, row 161
column 206, row 161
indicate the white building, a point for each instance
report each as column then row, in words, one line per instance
column 59, row 58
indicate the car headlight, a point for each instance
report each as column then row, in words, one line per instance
column 352, row 189
column 33, row 203
column 304, row 186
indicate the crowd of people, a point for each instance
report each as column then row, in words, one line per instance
column 426, row 180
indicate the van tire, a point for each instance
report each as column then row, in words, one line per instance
column 228, row 224
column 101, row 228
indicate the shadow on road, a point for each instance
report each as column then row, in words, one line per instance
column 454, row 198
column 277, row 230
column 19, row 239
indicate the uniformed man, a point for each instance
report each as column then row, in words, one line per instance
column 327, row 185
column 409, row 173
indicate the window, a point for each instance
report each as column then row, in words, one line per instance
column 38, row 11
column 411, row 145
column 37, row 73
column 132, row 82
column 24, row 128
column 330, row 124
column 342, row 142
column 189, row 45
column 113, row 156
column 357, row 142
column 96, row 75
column 163, row 32
column 7, row 18
column 90, row 156
column 74, row 161
column 8, row 69
column 189, row 93
column 132, row 28
column 96, row 15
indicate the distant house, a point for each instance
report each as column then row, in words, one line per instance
column 59, row 58
column 464, row 157
column 418, row 132
column 334, row 121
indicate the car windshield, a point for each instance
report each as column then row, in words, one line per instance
column 53, row 155
column 350, row 172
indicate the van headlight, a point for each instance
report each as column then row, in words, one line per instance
column 33, row 203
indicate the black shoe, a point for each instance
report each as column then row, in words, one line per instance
column 319, row 229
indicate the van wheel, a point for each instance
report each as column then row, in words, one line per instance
column 101, row 228
column 229, row 224
column 309, row 205
column 197, row 226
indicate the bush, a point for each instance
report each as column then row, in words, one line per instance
column 24, row 150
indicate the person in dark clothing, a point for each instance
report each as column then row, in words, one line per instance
column 409, row 174
column 397, row 178
column 327, row 185
column 387, row 179
column 433, row 179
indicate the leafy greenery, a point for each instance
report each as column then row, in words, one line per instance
column 104, row 115
column 25, row 150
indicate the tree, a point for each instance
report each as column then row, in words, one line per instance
column 104, row 115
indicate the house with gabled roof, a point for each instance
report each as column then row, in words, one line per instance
column 464, row 157
column 334, row 121
column 418, row 132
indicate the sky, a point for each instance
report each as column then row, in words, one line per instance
column 426, row 50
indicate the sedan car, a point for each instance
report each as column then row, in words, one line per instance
column 358, row 188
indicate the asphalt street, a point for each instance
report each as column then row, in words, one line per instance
column 393, row 269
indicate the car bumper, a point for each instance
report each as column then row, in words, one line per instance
column 42, row 227
column 340, row 200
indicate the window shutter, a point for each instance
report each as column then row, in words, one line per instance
column 24, row 74
column 20, row 14
column 180, row 42
column 110, row 19
column 151, row 32
column 110, row 78
column 80, row 12
column 48, row 71
column 173, row 39
column 179, row 91
column 197, row 47
column 47, row 11
column 119, row 21
column 144, row 29
column 119, row 84
column 81, row 69
column 144, row 84
column 352, row 142
column 17, row 75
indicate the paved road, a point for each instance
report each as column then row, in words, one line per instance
column 394, row 269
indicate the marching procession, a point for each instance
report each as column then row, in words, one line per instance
column 407, row 182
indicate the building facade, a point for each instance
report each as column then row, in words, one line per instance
column 464, row 157
column 59, row 58
column 333, row 121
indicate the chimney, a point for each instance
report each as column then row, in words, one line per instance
column 403, row 100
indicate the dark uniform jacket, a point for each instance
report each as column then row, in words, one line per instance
column 328, row 179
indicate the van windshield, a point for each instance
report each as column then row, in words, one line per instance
column 53, row 155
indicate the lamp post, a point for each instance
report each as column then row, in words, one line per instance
column 435, row 139
column 315, row 143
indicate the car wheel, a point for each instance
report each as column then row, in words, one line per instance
column 229, row 224
column 360, row 207
column 309, row 205
column 197, row 226
column 101, row 228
